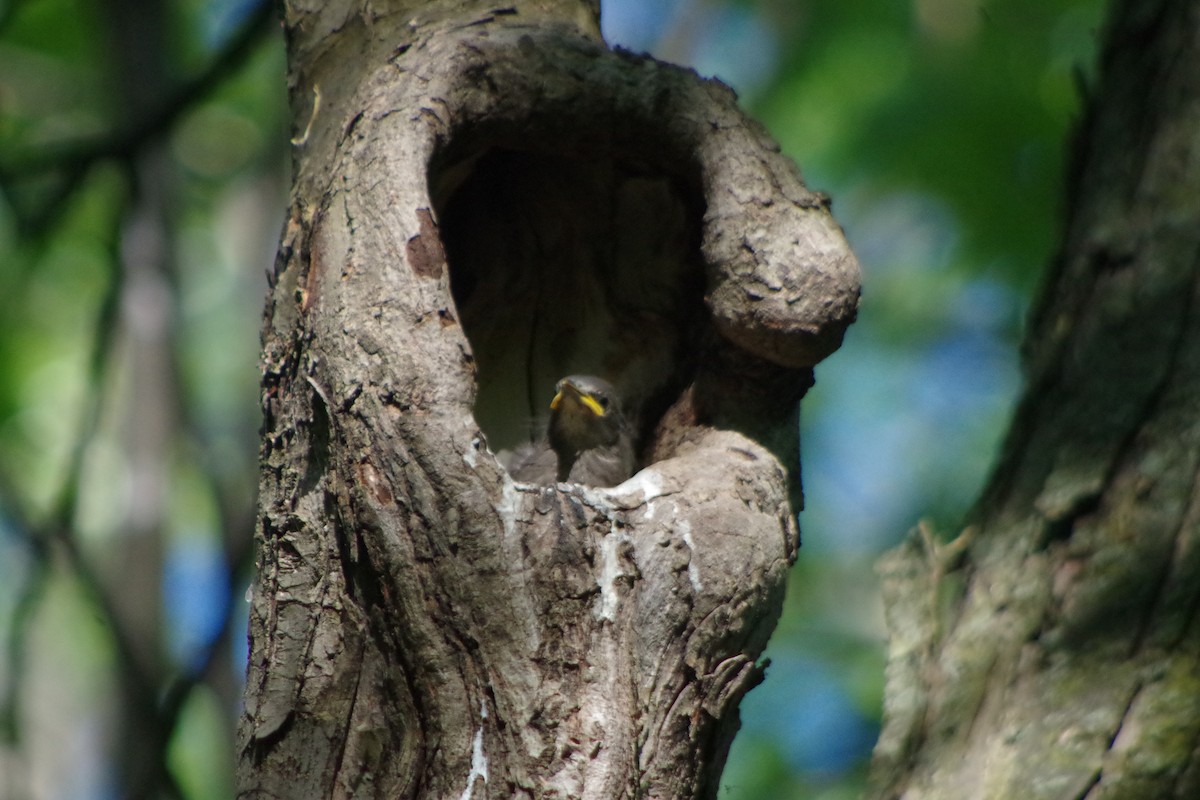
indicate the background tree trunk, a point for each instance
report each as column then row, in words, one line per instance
column 1061, row 659
column 423, row 626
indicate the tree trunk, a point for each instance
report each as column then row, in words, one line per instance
column 485, row 200
column 1062, row 660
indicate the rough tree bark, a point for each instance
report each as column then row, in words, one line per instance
column 487, row 199
column 1063, row 659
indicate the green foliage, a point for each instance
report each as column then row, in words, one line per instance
column 138, row 213
column 965, row 101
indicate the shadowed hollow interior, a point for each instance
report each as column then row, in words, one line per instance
column 562, row 264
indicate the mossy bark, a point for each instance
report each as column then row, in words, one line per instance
column 1053, row 651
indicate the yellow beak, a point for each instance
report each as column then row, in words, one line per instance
column 571, row 391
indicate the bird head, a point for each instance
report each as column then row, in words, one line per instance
column 584, row 414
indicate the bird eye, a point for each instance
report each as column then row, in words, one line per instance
column 602, row 400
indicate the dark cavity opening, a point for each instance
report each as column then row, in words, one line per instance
column 562, row 264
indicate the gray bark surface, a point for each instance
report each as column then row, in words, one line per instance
column 1052, row 650
column 486, row 200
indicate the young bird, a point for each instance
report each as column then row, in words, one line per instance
column 588, row 440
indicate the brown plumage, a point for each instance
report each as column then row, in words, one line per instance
column 588, row 439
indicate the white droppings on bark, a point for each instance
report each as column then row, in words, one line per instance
column 477, row 443
column 610, row 570
column 479, row 764
column 693, row 571
column 648, row 482
column 509, row 506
